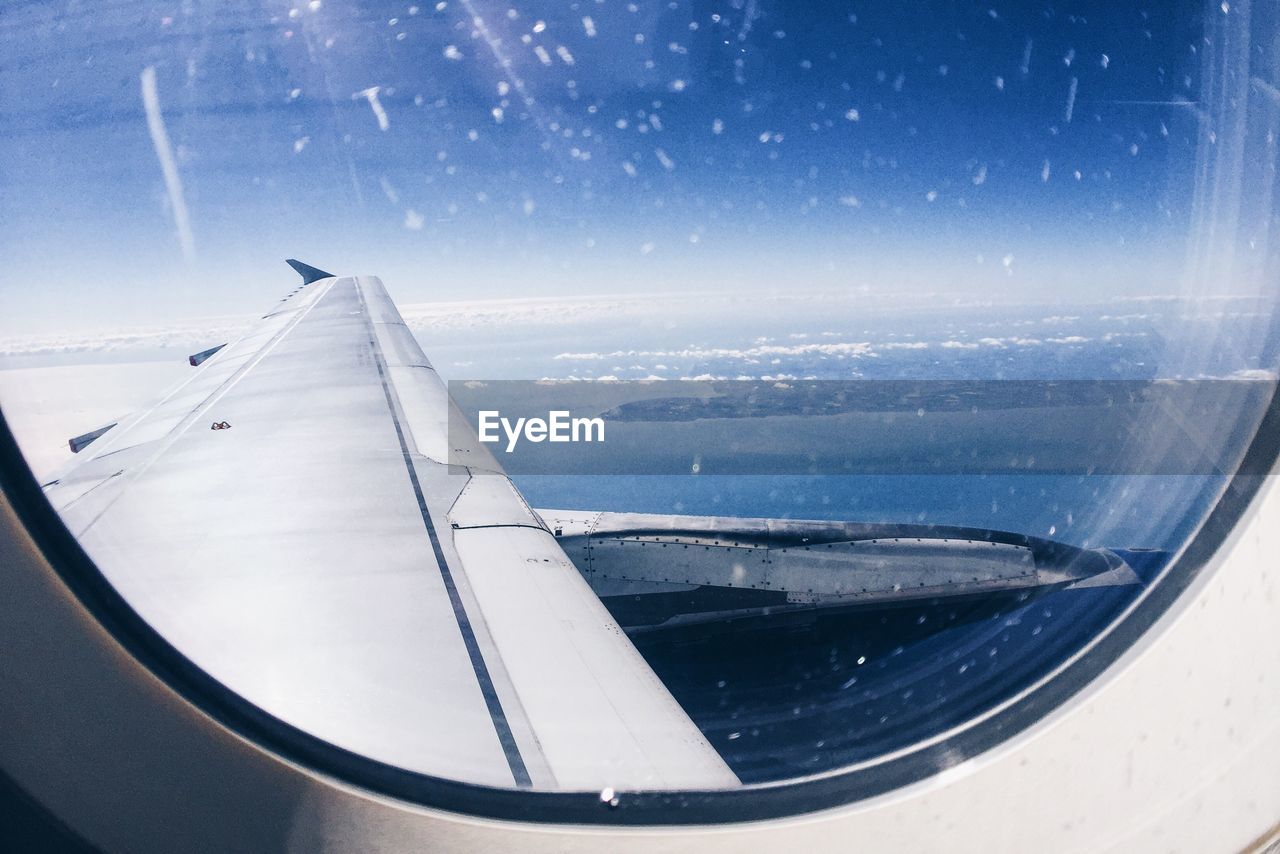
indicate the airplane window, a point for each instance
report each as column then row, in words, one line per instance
column 921, row 340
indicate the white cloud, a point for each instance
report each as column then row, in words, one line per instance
column 839, row 349
column 190, row 336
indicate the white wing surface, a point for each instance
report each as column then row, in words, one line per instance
column 318, row 556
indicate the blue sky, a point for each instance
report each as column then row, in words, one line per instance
column 463, row 149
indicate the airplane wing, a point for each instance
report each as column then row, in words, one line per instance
column 288, row 520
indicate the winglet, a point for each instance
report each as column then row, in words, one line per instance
column 196, row 359
column 79, row 443
column 309, row 274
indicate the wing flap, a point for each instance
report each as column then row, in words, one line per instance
column 562, row 650
column 597, row 712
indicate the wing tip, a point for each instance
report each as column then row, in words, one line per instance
column 79, row 443
column 197, row 359
column 309, row 274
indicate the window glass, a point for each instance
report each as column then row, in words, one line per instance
column 976, row 303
